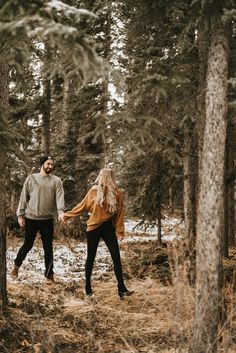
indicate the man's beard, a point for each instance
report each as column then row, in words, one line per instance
column 47, row 170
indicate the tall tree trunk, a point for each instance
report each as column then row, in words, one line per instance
column 231, row 133
column 159, row 217
column 105, row 93
column 226, row 224
column 203, row 46
column 14, row 199
column 190, row 180
column 211, row 197
column 65, row 107
column 189, row 193
column 171, row 200
column 69, row 133
column 4, row 71
column 229, row 236
column 228, row 167
column 232, row 211
column 46, row 111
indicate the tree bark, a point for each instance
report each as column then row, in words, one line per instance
column 46, row 111
column 203, row 46
column 232, row 211
column 105, row 93
column 189, row 194
column 4, row 71
column 229, row 236
column 211, row 197
column 171, row 200
column 65, row 106
column 229, row 229
column 159, row 217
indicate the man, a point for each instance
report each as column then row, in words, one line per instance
column 41, row 198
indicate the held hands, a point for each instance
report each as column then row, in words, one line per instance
column 61, row 217
column 21, row 221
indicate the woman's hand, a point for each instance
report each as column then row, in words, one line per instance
column 120, row 236
column 62, row 218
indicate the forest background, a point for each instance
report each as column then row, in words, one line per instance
column 145, row 87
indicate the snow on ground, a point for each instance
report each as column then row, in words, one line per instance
column 170, row 230
column 69, row 258
column 69, row 262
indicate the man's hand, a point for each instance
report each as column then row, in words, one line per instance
column 21, row 221
column 61, row 217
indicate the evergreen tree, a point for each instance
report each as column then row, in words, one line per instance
column 46, row 21
column 4, row 140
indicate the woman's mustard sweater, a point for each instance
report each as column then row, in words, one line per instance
column 99, row 214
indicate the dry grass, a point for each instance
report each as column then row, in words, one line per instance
column 156, row 319
column 58, row 319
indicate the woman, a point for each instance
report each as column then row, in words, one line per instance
column 104, row 202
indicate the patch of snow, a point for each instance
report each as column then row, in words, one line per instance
column 61, row 6
column 69, row 259
column 69, row 263
column 131, row 224
column 170, row 227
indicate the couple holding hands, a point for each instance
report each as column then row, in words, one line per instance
column 42, row 195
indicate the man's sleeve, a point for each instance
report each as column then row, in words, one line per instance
column 60, row 201
column 24, row 197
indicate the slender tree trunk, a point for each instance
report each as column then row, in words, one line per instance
column 69, row 134
column 232, row 147
column 226, row 227
column 4, row 71
column 65, row 107
column 159, row 235
column 203, row 46
column 211, row 197
column 232, row 139
column 105, row 93
column 189, row 194
column 171, row 200
column 46, row 111
column 226, row 205
column 229, row 236
column 232, row 211
column 13, row 199
column 190, row 171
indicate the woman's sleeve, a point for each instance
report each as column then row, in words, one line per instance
column 78, row 209
column 120, row 217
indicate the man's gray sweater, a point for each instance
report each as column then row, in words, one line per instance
column 42, row 197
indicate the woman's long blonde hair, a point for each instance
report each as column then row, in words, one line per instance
column 106, row 190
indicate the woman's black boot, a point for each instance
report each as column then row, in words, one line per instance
column 126, row 293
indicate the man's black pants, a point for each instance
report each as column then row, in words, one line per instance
column 107, row 232
column 45, row 227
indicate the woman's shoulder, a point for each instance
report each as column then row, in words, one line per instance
column 94, row 187
column 93, row 190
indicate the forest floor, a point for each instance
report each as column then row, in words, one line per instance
column 157, row 318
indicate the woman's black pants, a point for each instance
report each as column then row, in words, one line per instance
column 32, row 227
column 107, row 232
